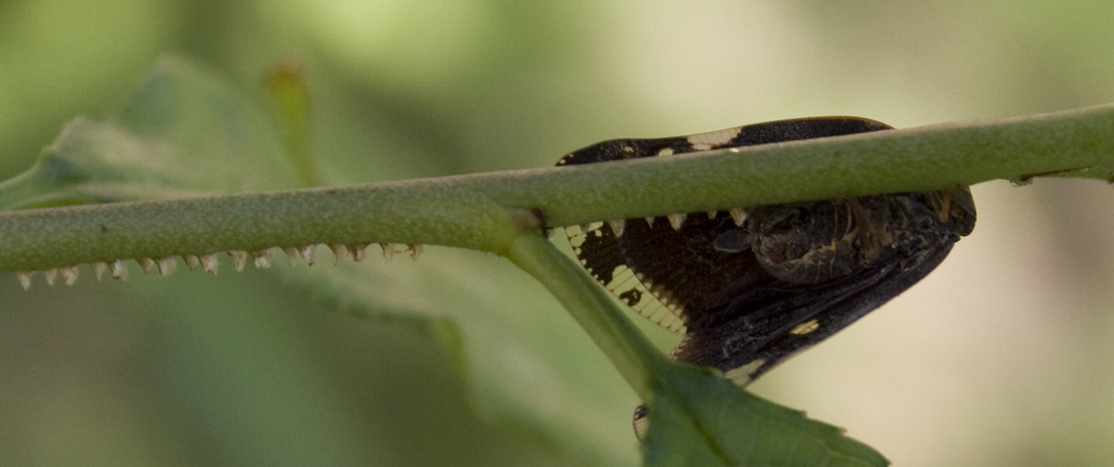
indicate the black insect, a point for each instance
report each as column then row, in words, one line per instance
column 750, row 287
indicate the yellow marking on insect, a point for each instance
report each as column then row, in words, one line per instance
column 805, row 327
column 665, row 152
column 741, row 375
column 945, row 206
column 646, row 298
column 706, row 141
column 641, row 424
column 652, row 301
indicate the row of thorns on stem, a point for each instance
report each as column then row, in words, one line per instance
column 675, row 220
column 210, row 262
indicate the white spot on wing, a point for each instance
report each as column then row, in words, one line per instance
column 712, row 139
column 641, row 424
column 805, row 327
column 741, row 375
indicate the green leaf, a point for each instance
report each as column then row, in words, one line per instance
column 184, row 132
column 527, row 364
column 702, row 419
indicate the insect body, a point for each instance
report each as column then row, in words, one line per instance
column 750, row 287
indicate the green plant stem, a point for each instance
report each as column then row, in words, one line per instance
column 628, row 349
column 470, row 211
column 410, row 212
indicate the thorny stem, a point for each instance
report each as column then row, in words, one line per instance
column 470, row 211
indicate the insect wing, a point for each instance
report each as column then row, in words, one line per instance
column 661, row 271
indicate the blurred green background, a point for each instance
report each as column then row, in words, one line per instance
column 1003, row 356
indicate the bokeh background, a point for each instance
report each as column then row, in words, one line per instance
column 1003, row 356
